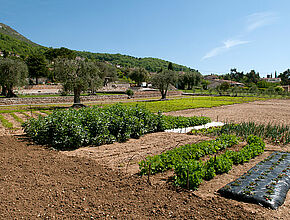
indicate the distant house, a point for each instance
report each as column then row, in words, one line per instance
column 272, row 80
column 215, row 81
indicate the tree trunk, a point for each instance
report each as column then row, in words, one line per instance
column 4, row 90
column 10, row 93
column 77, row 94
column 36, row 80
column 163, row 96
column 77, row 99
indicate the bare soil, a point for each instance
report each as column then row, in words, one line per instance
column 102, row 182
column 275, row 111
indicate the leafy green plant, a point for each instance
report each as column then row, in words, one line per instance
column 216, row 165
column 70, row 129
column 170, row 158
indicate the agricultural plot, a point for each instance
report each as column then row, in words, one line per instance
column 190, row 171
column 267, row 183
column 104, row 188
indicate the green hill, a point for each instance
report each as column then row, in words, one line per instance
column 12, row 41
column 149, row 63
column 5, row 29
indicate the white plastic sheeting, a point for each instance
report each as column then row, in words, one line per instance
column 188, row 129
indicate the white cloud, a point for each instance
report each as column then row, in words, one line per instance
column 260, row 19
column 227, row 45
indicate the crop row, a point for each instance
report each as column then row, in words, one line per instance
column 190, row 173
column 70, row 129
column 171, row 158
column 273, row 133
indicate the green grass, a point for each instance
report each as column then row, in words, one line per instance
column 5, row 122
column 191, row 103
column 16, row 118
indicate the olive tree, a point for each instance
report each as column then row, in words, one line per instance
column 77, row 76
column 162, row 80
column 139, row 75
column 13, row 72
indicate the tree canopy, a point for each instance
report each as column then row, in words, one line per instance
column 77, row 76
column 162, row 81
column 37, row 66
column 13, row 72
column 139, row 75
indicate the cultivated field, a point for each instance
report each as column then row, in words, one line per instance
column 102, row 182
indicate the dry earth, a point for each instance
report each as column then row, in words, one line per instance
column 270, row 111
column 101, row 182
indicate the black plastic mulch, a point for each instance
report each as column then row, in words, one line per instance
column 267, row 183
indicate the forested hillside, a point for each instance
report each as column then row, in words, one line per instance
column 150, row 64
column 5, row 29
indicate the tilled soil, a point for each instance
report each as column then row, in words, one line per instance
column 40, row 183
column 102, row 182
column 271, row 111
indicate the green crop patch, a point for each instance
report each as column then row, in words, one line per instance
column 71, row 128
column 278, row 134
column 191, row 103
column 171, row 158
column 190, row 171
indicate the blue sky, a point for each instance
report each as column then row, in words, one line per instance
column 209, row 35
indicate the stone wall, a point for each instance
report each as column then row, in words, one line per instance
column 69, row 99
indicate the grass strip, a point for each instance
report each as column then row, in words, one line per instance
column 26, row 114
column 16, row 118
column 5, row 122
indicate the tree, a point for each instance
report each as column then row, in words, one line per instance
column 37, row 66
column 162, row 81
column 224, row 86
column 236, row 76
column 77, row 76
column 107, row 70
column 139, row 75
column 13, row 72
column 170, row 66
column 285, row 77
column 253, row 77
column 53, row 53
column 189, row 79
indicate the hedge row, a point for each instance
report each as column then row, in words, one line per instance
column 70, row 129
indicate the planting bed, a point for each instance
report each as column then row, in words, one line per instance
column 266, row 184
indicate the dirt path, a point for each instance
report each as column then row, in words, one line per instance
column 271, row 111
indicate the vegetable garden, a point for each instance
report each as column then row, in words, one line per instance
column 193, row 164
column 189, row 170
column 71, row 129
